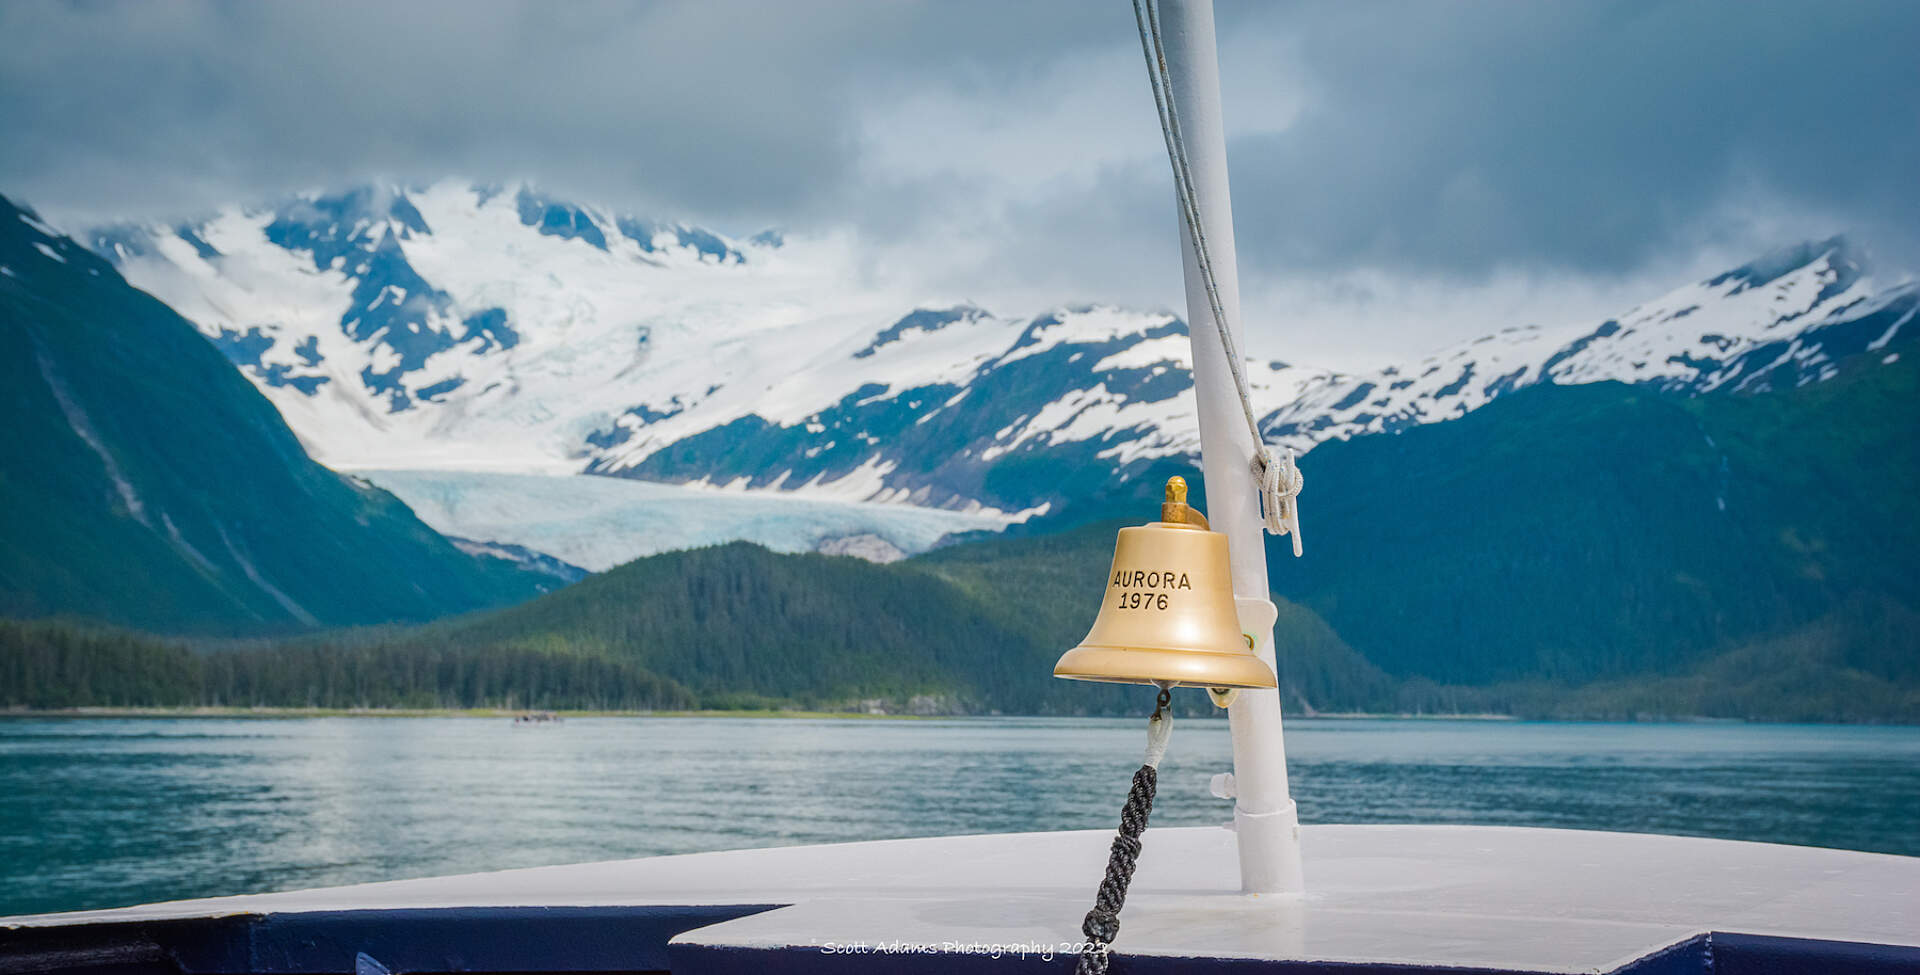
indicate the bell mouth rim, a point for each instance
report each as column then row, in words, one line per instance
column 1179, row 668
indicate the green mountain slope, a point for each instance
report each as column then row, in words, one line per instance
column 144, row 482
column 1592, row 532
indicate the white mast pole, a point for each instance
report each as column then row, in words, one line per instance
column 1264, row 818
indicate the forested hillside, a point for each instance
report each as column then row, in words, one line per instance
column 734, row 626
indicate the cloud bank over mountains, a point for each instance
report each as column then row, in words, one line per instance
column 1405, row 174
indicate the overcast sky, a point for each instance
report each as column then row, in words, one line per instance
column 1405, row 174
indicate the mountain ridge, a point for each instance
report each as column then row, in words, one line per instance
column 499, row 328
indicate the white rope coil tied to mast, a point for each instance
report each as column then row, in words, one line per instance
column 1275, row 474
column 1280, row 484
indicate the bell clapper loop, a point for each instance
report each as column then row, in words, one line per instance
column 1159, row 729
column 1160, row 725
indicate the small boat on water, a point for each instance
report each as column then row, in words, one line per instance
column 536, row 719
column 1186, row 608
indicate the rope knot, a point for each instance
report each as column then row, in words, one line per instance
column 1280, row 484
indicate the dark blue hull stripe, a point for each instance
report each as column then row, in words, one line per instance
column 634, row 939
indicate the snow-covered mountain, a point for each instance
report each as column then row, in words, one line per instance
column 1786, row 320
column 484, row 328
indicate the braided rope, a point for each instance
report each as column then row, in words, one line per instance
column 1102, row 924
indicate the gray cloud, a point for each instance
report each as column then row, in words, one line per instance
column 1009, row 149
column 1590, row 135
column 710, row 107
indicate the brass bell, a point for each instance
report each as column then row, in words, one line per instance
column 1169, row 617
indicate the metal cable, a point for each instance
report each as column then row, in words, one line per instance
column 1102, row 924
column 1276, row 475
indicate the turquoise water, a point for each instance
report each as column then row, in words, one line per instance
column 107, row 812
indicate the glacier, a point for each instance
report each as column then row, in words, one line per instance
column 597, row 523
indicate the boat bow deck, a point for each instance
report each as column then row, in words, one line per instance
column 1399, row 898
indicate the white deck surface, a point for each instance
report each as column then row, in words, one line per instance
column 1546, row 900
